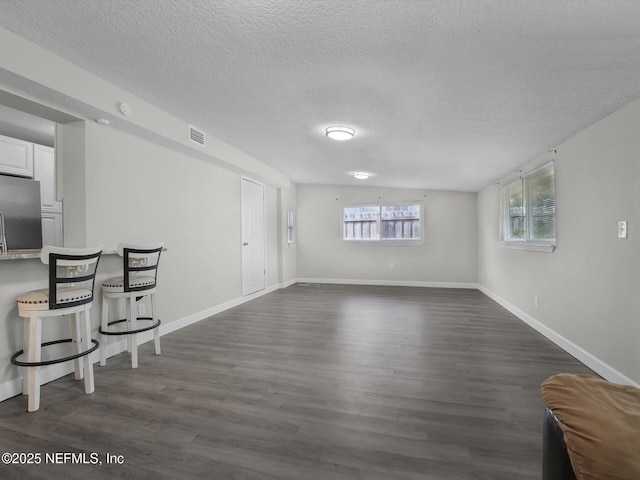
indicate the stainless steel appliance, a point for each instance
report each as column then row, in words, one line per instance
column 21, row 228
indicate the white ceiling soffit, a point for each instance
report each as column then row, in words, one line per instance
column 442, row 94
column 27, row 127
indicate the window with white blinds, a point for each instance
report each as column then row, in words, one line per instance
column 515, row 212
column 529, row 209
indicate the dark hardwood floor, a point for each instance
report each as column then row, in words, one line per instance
column 309, row 382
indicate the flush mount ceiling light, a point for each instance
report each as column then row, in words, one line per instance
column 340, row 133
column 361, row 175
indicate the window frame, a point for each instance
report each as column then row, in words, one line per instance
column 381, row 241
column 529, row 242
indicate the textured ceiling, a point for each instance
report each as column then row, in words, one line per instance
column 442, row 94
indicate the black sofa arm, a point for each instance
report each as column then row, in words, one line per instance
column 555, row 459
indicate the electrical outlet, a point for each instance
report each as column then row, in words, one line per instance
column 622, row 229
column 391, row 265
column 536, row 301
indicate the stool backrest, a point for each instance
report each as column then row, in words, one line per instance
column 140, row 260
column 73, row 268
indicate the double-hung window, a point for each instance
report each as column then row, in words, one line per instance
column 528, row 211
column 398, row 223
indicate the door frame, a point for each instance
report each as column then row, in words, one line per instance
column 244, row 178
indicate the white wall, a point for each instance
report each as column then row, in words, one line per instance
column 272, row 223
column 588, row 288
column 70, row 147
column 448, row 255
column 139, row 192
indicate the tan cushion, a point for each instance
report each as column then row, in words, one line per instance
column 601, row 425
column 116, row 284
column 39, row 299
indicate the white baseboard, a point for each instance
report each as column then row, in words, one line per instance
column 49, row 373
column 288, row 283
column 601, row 368
column 388, row 283
column 196, row 317
column 10, row 388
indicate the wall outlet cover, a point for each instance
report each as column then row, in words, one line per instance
column 622, row 229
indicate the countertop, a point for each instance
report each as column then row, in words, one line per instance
column 26, row 254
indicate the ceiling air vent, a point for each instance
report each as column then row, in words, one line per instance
column 196, row 136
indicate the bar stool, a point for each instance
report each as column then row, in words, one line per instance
column 72, row 274
column 140, row 272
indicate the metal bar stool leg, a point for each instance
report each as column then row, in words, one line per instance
column 133, row 317
column 33, row 373
column 103, row 338
column 124, row 313
column 156, row 331
column 76, row 338
column 25, row 346
column 86, row 345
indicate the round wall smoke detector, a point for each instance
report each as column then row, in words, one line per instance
column 125, row 108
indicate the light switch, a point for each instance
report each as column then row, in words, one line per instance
column 622, row 229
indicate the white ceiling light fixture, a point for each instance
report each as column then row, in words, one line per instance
column 340, row 133
column 362, row 175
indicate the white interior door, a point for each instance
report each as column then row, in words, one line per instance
column 253, row 237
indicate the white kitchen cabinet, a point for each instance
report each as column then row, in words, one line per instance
column 52, row 229
column 44, row 170
column 16, row 157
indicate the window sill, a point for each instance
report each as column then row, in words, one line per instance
column 382, row 242
column 532, row 246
